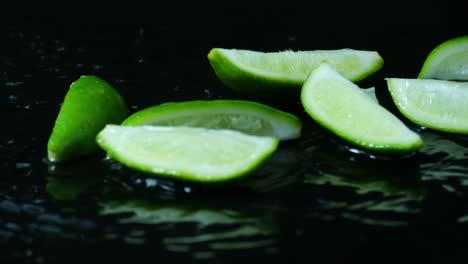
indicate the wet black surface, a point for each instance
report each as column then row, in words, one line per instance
column 315, row 198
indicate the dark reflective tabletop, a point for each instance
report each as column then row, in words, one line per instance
column 315, row 198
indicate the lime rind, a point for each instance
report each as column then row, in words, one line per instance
column 435, row 104
column 344, row 109
column 246, row 116
column 447, row 61
column 89, row 104
column 187, row 153
column 280, row 72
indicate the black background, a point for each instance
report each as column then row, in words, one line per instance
column 160, row 48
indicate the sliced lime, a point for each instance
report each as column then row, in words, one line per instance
column 447, row 61
column 435, row 104
column 346, row 110
column 245, row 116
column 186, row 153
column 89, row 105
column 284, row 72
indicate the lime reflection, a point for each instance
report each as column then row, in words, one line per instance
column 67, row 181
column 382, row 191
column 203, row 227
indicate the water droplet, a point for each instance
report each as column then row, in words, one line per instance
column 80, row 65
column 25, row 107
column 116, row 166
column 151, row 182
column 97, row 67
column 23, row 165
column 187, row 189
column 87, row 225
column 203, row 255
column 12, row 98
column 353, row 150
column 208, row 93
column 134, row 107
column 167, row 187
column 134, row 240
column 13, row 84
column 9, row 207
column 32, row 209
column 40, row 102
column 291, row 39
column 51, row 229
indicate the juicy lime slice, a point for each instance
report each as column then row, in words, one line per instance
column 186, row 153
column 345, row 109
column 245, row 116
column 447, row 61
column 89, row 104
column 435, row 104
column 285, row 71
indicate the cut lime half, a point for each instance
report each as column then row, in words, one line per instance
column 250, row 71
column 447, row 61
column 89, row 104
column 245, row 116
column 186, row 153
column 435, row 104
column 345, row 109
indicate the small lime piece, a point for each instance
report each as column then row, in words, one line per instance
column 435, row 104
column 245, row 116
column 250, row 71
column 89, row 104
column 186, row 153
column 447, row 61
column 345, row 109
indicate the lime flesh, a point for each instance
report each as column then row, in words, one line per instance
column 89, row 104
column 435, row 104
column 345, row 109
column 186, row 153
column 447, row 61
column 250, row 71
column 245, row 116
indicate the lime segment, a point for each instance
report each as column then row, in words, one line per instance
column 186, row 153
column 435, row 104
column 285, row 71
column 447, row 61
column 245, row 116
column 345, row 109
column 89, row 104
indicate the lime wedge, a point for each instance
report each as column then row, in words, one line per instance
column 447, row 61
column 245, row 116
column 285, row 71
column 345, row 109
column 186, row 153
column 435, row 104
column 89, row 104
